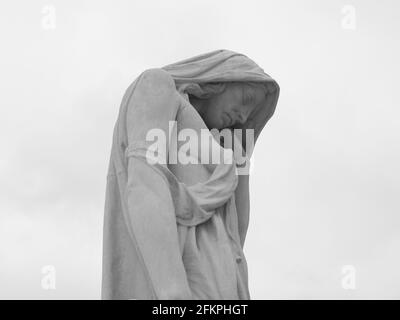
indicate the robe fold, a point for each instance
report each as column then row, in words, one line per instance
column 177, row 232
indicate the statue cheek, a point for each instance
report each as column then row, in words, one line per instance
column 216, row 114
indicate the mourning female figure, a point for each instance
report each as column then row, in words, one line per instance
column 176, row 229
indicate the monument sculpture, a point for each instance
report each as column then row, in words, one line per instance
column 175, row 217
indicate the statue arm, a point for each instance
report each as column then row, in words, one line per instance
column 153, row 104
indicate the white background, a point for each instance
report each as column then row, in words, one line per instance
column 325, row 184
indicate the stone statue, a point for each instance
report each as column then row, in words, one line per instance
column 174, row 225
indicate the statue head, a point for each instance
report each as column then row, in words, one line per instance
column 225, row 105
column 211, row 72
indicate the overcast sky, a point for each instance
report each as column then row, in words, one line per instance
column 325, row 182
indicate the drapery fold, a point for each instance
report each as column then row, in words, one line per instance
column 195, row 204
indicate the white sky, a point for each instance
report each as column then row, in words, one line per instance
column 325, row 184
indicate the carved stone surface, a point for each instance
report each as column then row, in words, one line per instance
column 177, row 230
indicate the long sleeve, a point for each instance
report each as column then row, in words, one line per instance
column 152, row 105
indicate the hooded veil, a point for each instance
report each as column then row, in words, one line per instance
column 146, row 206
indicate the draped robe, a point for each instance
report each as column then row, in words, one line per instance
column 176, row 231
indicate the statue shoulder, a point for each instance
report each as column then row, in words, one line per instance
column 158, row 79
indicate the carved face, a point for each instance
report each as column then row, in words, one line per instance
column 233, row 106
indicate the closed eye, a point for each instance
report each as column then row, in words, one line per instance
column 247, row 98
